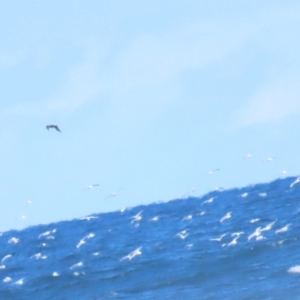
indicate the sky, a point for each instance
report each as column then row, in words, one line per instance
column 150, row 96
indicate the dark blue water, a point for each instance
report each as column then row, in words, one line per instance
column 168, row 251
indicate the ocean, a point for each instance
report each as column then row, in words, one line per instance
column 241, row 243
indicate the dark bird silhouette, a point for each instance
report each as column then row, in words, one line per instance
column 53, row 126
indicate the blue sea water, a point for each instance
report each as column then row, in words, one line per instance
column 164, row 250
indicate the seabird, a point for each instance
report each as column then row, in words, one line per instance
column 283, row 172
column 188, row 193
column 53, row 126
column 244, row 195
column 182, row 234
column 113, row 194
column 268, row 227
column 269, row 159
column 80, row 264
column 208, row 201
column 82, row 241
column 2, row 266
column 283, row 229
column 211, row 172
column 295, row 182
column 237, row 233
column 88, row 218
column 6, row 257
column 219, row 238
column 248, row 155
column 256, row 233
column 189, row 217
column 233, row 242
column 227, row 216
column 19, row 282
column 137, row 217
column 132, row 254
column 13, row 240
column 92, row 186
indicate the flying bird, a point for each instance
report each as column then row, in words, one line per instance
column 211, row 172
column 219, row 238
column 113, row 194
column 269, row 159
column 92, row 186
column 227, row 216
column 53, row 126
column 295, row 182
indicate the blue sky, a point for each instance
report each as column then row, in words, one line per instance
column 150, row 97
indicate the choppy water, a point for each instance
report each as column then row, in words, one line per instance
column 167, row 251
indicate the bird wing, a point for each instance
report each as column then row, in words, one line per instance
column 56, row 127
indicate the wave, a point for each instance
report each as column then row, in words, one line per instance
column 232, row 244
